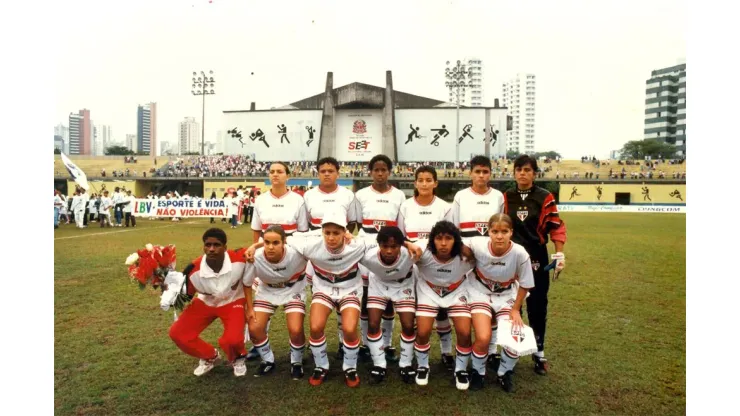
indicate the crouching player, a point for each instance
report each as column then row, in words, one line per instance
column 281, row 270
column 497, row 287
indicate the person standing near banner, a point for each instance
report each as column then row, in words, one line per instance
column 117, row 206
column 78, row 208
column 128, row 209
column 104, row 210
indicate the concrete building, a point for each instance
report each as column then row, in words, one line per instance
column 59, row 143
column 519, row 98
column 146, row 131
column 473, row 97
column 63, row 131
column 80, row 133
column 665, row 106
column 189, row 136
column 131, row 142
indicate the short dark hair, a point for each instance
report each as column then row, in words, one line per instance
column 445, row 227
column 380, row 158
column 388, row 232
column 215, row 233
column 480, row 160
column 423, row 169
column 523, row 160
column 330, row 160
column 285, row 165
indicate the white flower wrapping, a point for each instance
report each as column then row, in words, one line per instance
column 520, row 341
column 175, row 282
column 149, row 247
column 132, row 259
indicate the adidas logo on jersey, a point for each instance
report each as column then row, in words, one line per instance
column 483, row 203
column 335, row 258
column 498, row 263
column 278, row 205
column 384, row 201
column 425, row 212
column 444, row 271
column 328, row 200
column 279, row 269
column 391, row 271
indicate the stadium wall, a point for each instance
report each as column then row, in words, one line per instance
column 588, row 194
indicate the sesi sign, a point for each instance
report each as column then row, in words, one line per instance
column 359, row 134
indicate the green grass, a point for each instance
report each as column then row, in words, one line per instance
column 616, row 335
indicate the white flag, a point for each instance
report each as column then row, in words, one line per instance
column 77, row 174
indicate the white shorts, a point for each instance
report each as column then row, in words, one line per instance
column 403, row 295
column 428, row 302
column 292, row 299
column 340, row 298
column 365, row 273
column 498, row 303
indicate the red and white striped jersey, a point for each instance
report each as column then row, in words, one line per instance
column 288, row 211
column 290, row 270
column 416, row 221
column 495, row 274
column 340, row 269
column 471, row 211
column 318, row 203
column 376, row 210
column 217, row 288
column 440, row 273
column 401, row 269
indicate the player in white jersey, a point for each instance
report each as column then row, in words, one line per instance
column 281, row 270
column 497, row 287
column 391, row 280
column 473, row 206
column 327, row 197
column 279, row 206
column 416, row 219
column 377, row 206
column 442, row 274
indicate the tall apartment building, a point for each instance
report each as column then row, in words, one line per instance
column 665, row 106
column 189, row 136
column 519, row 98
column 80, row 133
column 131, row 142
column 62, row 131
column 473, row 97
column 146, row 130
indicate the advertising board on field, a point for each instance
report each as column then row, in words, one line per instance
column 663, row 209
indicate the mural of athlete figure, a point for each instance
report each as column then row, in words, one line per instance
column 311, row 131
column 646, row 194
column 494, row 136
column 440, row 133
column 256, row 135
column 236, row 134
column 466, row 133
column 598, row 190
column 283, row 130
column 676, row 194
column 574, row 193
column 414, row 133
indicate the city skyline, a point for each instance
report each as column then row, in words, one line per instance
column 591, row 60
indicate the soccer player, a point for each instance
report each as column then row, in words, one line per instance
column 328, row 197
column 416, row 218
column 216, row 277
column 471, row 210
column 279, row 206
column 377, row 206
column 497, row 287
column 535, row 216
column 442, row 273
column 281, row 270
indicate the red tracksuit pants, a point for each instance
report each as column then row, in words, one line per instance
column 185, row 332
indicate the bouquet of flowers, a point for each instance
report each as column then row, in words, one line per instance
column 151, row 265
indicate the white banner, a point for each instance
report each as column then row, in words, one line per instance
column 622, row 208
column 286, row 135
column 181, row 208
column 359, row 134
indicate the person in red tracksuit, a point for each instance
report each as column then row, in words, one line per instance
column 216, row 277
column 535, row 215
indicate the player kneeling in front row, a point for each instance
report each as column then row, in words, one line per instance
column 391, row 279
column 216, row 277
column 498, row 285
column 281, row 270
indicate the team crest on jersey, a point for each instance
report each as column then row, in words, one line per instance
column 522, row 215
column 481, row 227
column 535, row 265
column 407, row 292
column 297, row 296
column 422, row 235
column 464, row 299
column 378, row 224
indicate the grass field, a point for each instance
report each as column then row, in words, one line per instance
column 616, row 335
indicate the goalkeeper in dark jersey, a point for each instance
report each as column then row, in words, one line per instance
column 535, row 215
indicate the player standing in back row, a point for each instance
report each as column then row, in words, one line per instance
column 471, row 210
column 378, row 205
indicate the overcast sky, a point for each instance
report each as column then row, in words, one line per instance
column 591, row 58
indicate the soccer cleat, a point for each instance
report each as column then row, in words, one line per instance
column 422, row 376
column 340, row 353
column 296, row 371
column 205, row 366
column 365, row 355
column 506, row 381
column 318, row 376
column 476, row 380
column 493, row 362
column 265, row 369
column 351, row 378
column 377, row 375
column 541, row 366
column 240, row 366
column 448, row 361
column 390, row 355
column 408, row 374
column 253, row 354
column 462, row 380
